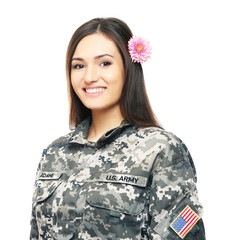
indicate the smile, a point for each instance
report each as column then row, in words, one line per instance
column 94, row 90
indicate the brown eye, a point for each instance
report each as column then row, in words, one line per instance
column 105, row 64
column 78, row 66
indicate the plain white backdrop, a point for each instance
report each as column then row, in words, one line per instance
column 185, row 80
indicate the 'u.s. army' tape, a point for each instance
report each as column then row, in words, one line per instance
column 121, row 178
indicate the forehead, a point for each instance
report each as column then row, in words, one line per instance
column 96, row 44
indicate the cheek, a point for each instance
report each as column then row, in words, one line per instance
column 116, row 76
column 119, row 81
column 75, row 82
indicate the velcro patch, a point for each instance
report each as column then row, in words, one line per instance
column 49, row 175
column 184, row 222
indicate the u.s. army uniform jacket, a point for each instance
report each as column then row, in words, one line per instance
column 133, row 183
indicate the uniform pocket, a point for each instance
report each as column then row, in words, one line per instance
column 123, row 198
column 46, row 185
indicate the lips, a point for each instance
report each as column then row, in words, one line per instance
column 94, row 91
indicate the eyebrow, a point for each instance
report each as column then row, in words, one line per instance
column 97, row 57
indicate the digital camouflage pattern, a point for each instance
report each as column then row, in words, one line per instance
column 130, row 184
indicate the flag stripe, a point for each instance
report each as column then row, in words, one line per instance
column 184, row 212
column 191, row 214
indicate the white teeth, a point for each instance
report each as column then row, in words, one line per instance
column 94, row 90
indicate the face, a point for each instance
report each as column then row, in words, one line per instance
column 97, row 72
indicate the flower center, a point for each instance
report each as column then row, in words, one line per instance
column 140, row 48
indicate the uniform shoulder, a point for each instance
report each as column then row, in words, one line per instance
column 164, row 143
column 60, row 141
column 171, row 149
column 159, row 134
column 48, row 160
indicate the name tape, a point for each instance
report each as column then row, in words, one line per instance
column 49, row 175
column 123, row 178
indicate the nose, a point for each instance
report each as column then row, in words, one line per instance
column 91, row 74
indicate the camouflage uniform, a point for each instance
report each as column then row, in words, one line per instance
column 130, row 184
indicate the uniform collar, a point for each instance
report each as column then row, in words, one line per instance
column 79, row 135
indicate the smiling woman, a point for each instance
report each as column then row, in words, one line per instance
column 104, row 43
column 118, row 174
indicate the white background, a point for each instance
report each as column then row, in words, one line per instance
column 185, row 80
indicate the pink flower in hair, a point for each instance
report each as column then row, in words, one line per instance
column 139, row 49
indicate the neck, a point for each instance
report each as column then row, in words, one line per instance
column 103, row 121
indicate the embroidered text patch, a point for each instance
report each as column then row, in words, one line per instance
column 123, row 178
column 49, row 175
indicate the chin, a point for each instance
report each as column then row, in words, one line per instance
column 97, row 107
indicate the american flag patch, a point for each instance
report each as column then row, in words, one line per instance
column 184, row 222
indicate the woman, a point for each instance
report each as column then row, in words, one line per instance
column 118, row 174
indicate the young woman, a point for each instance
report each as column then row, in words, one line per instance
column 118, row 174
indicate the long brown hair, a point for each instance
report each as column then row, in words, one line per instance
column 134, row 103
